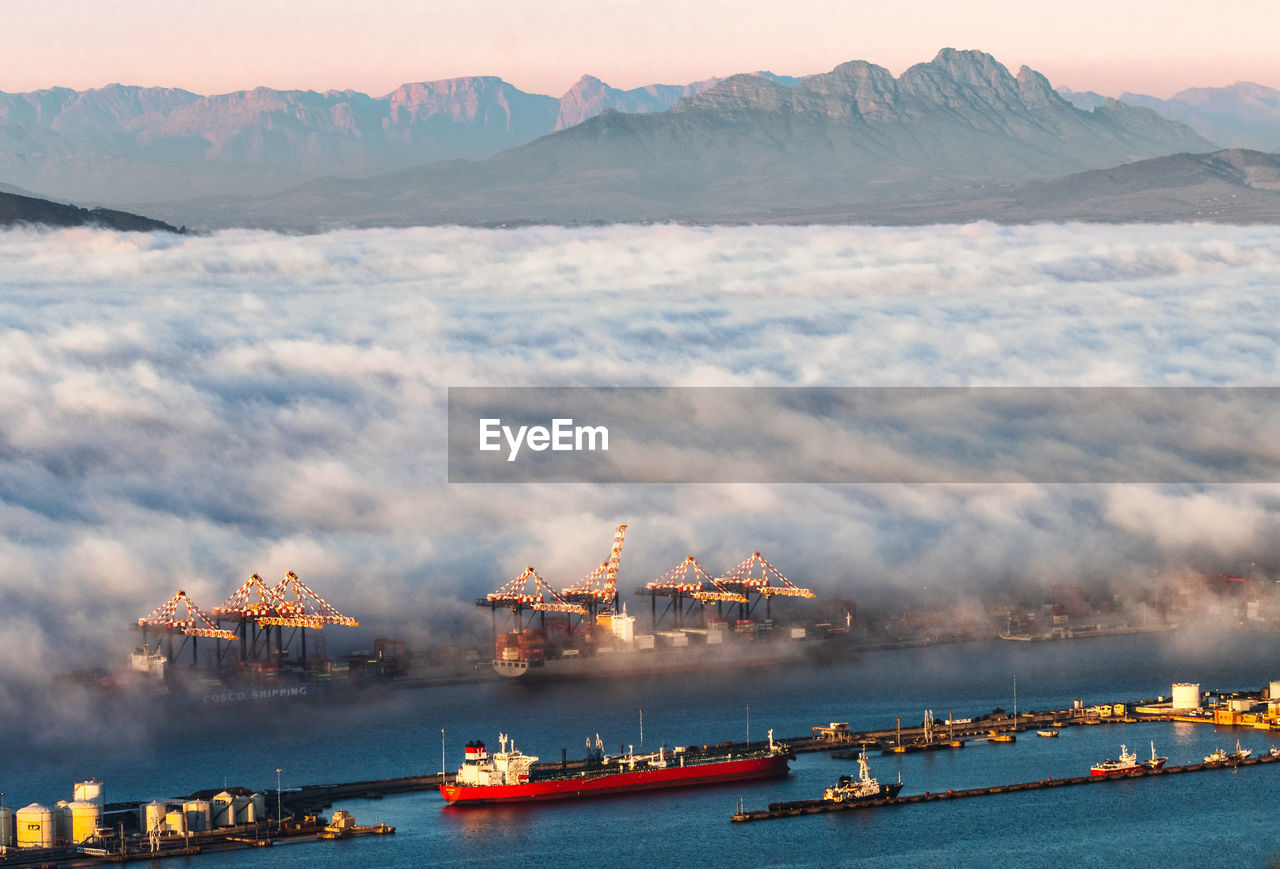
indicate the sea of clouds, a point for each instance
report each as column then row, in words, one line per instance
column 182, row 411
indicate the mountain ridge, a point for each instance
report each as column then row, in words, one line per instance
column 748, row 148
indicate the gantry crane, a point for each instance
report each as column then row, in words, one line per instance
column 769, row 584
column 192, row 623
column 686, row 580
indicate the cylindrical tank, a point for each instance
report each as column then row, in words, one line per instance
column 91, row 791
column 175, row 822
column 199, row 815
column 62, row 819
column 240, row 809
column 35, row 827
column 258, row 809
column 152, row 816
column 6, row 827
column 223, row 806
column 1186, row 695
column 86, row 817
column 1273, row 693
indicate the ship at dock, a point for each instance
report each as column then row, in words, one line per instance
column 865, row 787
column 511, row 776
column 1129, row 762
column 696, row 622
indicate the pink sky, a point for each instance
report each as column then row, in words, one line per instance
column 543, row 47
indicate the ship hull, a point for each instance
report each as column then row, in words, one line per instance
column 600, row 784
column 686, row 659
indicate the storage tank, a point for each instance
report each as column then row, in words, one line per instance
column 62, row 820
column 1186, row 695
column 199, row 815
column 6, row 827
column 240, row 809
column 152, row 816
column 1273, row 692
column 223, row 810
column 175, row 822
column 35, row 827
column 86, row 818
column 91, row 791
column 257, row 808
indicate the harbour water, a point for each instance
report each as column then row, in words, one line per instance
column 1167, row 821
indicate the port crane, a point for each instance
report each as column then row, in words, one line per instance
column 598, row 590
column 191, row 623
column 770, row 583
column 593, row 595
column 300, row 608
column 252, row 610
column 245, row 608
column 687, row 580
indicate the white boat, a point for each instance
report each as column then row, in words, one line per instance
column 848, row 790
column 1127, row 763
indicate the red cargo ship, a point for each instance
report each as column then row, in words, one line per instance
column 509, row 776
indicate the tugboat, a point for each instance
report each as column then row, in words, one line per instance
column 847, row 790
column 1127, row 763
column 509, row 776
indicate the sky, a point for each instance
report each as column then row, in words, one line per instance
column 376, row 45
column 182, row 411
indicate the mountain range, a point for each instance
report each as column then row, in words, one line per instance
column 1241, row 115
column 944, row 137
column 748, row 148
column 122, row 143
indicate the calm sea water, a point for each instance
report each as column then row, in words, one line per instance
column 1175, row 821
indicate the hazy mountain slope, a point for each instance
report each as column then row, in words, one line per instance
column 16, row 210
column 590, row 96
column 750, row 149
column 1242, row 115
column 121, row 143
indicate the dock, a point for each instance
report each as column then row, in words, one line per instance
column 819, row 807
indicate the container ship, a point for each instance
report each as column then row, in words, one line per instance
column 510, row 776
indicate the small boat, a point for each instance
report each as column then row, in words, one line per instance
column 1274, row 752
column 1154, row 762
column 1127, row 763
column 1218, row 756
column 849, row 790
column 1047, row 733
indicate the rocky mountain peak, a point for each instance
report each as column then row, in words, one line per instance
column 743, row 91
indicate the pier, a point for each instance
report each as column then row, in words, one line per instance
column 819, row 807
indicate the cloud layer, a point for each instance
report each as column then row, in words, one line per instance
column 178, row 412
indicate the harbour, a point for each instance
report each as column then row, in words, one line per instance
column 382, row 761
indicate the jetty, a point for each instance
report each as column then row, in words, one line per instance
column 818, row 807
